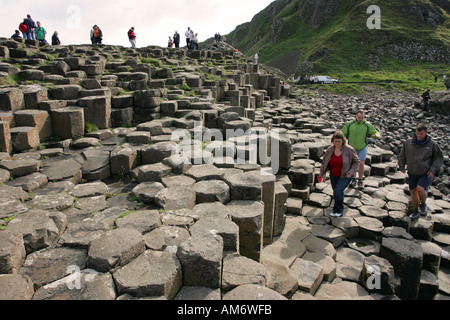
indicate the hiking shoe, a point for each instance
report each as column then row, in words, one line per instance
column 353, row 183
column 360, row 184
column 423, row 209
column 415, row 215
column 337, row 215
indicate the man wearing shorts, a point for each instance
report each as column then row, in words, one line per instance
column 358, row 131
column 423, row 158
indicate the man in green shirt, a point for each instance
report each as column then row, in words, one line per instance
column 40, row 32
column 358, row 131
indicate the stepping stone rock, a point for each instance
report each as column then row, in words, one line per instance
column 224, row 228
column 198, row 294
column 253, row 292
column 114, row 249
column 309, row 274
column 12, row 253
column 176, row 198
column 201, row 258
column 21, row 167
column 212, row 191
column 39, row 229
column 244, row 186
column 239, row 270
column 85, row 285
column 20, row 287
column 152, row 274
column 143, row 221
column 166, row 236
column 147, row 191
column 58, row 170
column 50, row 265
column 406, row 257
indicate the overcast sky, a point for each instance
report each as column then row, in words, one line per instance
column 154, row 20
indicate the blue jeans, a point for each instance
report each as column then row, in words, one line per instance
column 339, row 185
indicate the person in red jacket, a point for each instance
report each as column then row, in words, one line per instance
column 342, row 161
column 132, row 37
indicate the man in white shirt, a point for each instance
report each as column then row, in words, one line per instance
column 188, row 37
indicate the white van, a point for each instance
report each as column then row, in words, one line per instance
column 325, row 80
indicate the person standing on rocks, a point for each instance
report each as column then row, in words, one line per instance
column 96, row 35
column 426, row 101
column 31, row 26
column 358, row 131
column 176, row 39
column 132, row 37
column 423, row 158
column 40, row 33
column 188, row 37
column 55, row 39
column 342, row 161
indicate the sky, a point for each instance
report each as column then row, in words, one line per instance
column 154, row 20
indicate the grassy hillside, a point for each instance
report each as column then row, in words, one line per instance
column 331, row 37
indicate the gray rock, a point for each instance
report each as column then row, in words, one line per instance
column 40, row 229
column 152, row 274
column 114, row 249
column 201, row 260
column 85, row 285
column 20, row 287
column 253, row 292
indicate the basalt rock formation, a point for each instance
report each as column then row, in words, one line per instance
column 119, row 181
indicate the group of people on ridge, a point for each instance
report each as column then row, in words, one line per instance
column 34, row 31
column 345, row 160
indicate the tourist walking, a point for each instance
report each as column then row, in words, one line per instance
column 358, row 131
column 55, row 39
column 40, row 33
column 256, row 57
column 426, row 96
column 176, row 39
column 170, row 43
column 132, row 37
column 342, row 161
column 423, row 159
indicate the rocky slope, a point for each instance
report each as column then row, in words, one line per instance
column 332, row 35
column 110, row 213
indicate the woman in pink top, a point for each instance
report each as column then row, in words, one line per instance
column 342, row 161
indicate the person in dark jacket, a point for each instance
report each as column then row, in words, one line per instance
column 55, row 39
column 426, row 100
column 176, row 39
column 31, row 26
column 423, row 159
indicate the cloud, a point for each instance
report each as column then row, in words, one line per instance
column 154, row 20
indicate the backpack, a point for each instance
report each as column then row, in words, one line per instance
column 96, row 33
column 23, row 28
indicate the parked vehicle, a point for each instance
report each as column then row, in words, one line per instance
column 325, row 80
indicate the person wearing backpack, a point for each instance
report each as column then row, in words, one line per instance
column 31, row 25
column 23, row 27
column 358, row 131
